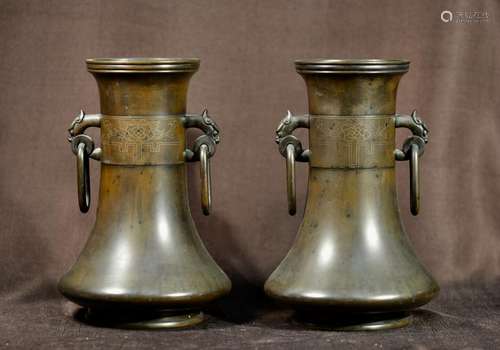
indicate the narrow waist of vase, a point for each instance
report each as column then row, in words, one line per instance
column 352, row 142
column 143, row 140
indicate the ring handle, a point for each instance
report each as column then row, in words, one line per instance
column 206, row 188
column 202, row 150
column 414, row 179
column 83, row 177
column 81, row 123
column 83, row 147
column 291, row 148
column 290, row 179
column 413, row 149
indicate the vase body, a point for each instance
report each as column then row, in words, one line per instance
column 144, row 264
column 351, row 265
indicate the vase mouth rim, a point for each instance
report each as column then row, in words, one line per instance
column 142, row 65
column 352, row 66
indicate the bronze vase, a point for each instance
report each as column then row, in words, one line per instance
column 144, row 265
column 351, row 266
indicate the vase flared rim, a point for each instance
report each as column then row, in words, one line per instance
column 142, row 65
column 352, row 66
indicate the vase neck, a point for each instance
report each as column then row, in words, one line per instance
column 143, row 94
column 352, row 94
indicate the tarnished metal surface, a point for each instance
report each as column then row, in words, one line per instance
column 351, row 266
column 144, row 265
column 346, row 142
column 134, row 140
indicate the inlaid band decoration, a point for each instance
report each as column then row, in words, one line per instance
column 352, row 141
column 142, row 140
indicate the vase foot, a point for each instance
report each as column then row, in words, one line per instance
column 358, row 322
column 141, row 320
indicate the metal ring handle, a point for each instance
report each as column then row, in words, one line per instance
column 412, row 149
column 210, row 138
column 83, row 177
column 77, row 128
column 414, row 179
column 83, row 147
column 206, row 190
column 203, row 149
column 290, row 179
column 291, row 148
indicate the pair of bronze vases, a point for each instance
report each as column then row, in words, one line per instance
column 144, row 266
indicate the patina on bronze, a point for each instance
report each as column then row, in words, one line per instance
column 144, row 265
column 351, row 266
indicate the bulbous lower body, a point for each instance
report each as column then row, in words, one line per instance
column 352, row 266
column 144, row 265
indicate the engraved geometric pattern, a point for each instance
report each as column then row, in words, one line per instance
column 352, row 141
column 141, row 140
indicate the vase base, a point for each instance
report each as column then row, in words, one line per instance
column 358, row 322
column 140, row 320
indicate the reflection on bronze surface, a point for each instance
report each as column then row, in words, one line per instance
column 351, row 266
column 144, row 265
